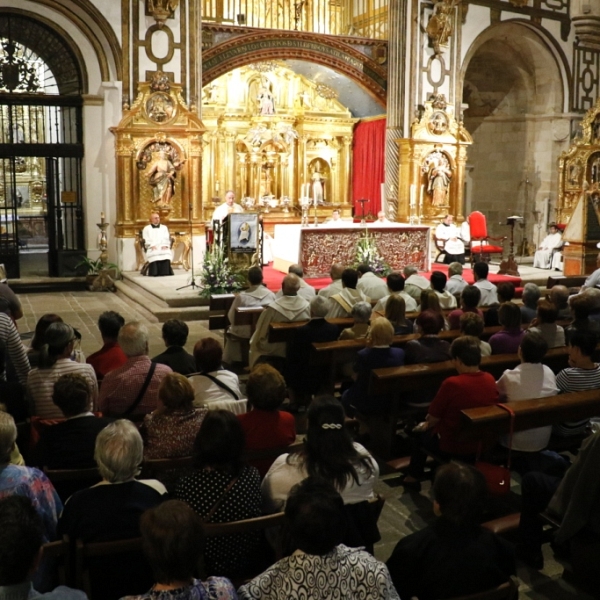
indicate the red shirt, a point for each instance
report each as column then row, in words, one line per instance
column 267, row 429
column 468, row 390
column 108, row 358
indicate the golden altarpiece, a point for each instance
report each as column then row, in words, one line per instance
column 274, row 137
column 432, row 165
column 159, row 166
column 578, row 204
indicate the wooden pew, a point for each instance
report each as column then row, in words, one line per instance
column 248, row 315
column 284, row 332
column 219, row 306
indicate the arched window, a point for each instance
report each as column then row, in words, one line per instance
column 41, row 149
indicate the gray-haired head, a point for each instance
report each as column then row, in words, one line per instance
column 319, row 307
column 133, row 339
column 531, row 294
column 8, row 437
column 593, row 293
column 361, row 312
column 119, row 451
column 455, row 268
column 408, row 271
column 290, row 285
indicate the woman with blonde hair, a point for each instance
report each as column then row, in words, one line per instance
column 377, row 355
column 171, row 429
column 395, row 313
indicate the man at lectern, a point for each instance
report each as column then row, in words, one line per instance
column 227, row 207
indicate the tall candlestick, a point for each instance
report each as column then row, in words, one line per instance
column 102, row 217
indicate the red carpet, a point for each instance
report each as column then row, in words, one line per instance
column 272, row 278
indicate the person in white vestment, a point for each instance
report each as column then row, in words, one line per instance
column 381, row 218
column 370, row 284
column 335, row 221
column 256, row 295
column 543, row 255
column 158, row 247
column 306, row 291
column 341, row 304
column 414, row 283
column 228, row 207
column 395, row 285
column 454, row 248
column 289, row 308
column 335, row 287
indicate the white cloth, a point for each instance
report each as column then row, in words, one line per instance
column 283, row 476
column 306, row 291
column 284, row 310
column 456, row 284
column 447, row 300
column 338, row 223
column 486, row 349
column 414, row 285
column 410, row 303
column 488, row 292
column 372, row 286
column 335, row 287
column 557, row 261
column 340, row 305
column 257, row 295
column 158, row 243
column 543, row 255
column 592, row 281
column 465, row 232
column 451, row 234
column 524, row 382
column 206, row 391
column 553, row 334
column 224, row 209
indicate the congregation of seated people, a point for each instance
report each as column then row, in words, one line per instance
column 119, row 413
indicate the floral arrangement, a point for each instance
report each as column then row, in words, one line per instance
column 217, row 275
column 368, row 253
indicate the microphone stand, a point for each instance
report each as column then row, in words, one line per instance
column 192, row 284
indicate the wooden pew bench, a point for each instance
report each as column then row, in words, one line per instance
column 284, row 332
column 398, row 382
column 218, row 307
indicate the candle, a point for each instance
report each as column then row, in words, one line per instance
column 412, row 194
column 102, row 217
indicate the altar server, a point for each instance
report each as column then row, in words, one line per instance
column 454, row 248
column 543, row 255
column 158, row 247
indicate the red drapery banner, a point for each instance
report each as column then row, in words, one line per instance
column 368, row 165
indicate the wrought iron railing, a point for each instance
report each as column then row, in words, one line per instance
column 361, row 18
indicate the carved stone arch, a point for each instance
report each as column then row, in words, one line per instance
column 505, row 31
column 269, row 45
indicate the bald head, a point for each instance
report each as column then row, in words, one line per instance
column 290, row 285
column 336, row 271
column 559, row 296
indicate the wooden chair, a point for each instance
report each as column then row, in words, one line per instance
column 481, row 249
column 68, row 481
column 506, row 591
column 57, row 554
column 95, row 569
column 440, row 244
column 167, row 470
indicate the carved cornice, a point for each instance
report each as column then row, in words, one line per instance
column 271, row 44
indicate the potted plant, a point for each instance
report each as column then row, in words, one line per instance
column 99, row 275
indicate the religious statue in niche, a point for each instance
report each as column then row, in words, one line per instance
column 574, row 172
column 160, row 107
column 162, row 176
column 439, row 28
column 266, row 100
column 439, row 174
column 318, row 187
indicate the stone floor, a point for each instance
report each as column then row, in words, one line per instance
column 403, row 513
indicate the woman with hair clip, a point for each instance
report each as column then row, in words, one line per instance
column 54, row 361
column 329, row 453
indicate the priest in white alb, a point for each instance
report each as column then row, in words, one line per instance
column 543, row 255
column 157, row 241
column 289, row 308
column 228, row 207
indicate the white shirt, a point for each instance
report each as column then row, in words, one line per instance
column 527, row 381
column 456, row 284
column 282, row 477
column 410, row 303
column 488, row 292
column 158, row 243
column 335, row 287
column 340, row 305
column 224, row 209
column 372, row 286
column 447, row 232
column 206, row 391
column 447, row 300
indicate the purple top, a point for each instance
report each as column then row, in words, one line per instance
column 506, row 342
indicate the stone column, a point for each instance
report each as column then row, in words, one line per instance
column 396, row 98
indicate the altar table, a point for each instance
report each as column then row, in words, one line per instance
column 317, row 248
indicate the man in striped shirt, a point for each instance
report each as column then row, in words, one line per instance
column 582, row 374
column 14, row 349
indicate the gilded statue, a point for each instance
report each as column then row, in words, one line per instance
column 162, row 178
column 439, row 175
column 317, row 185
column 439, row 28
